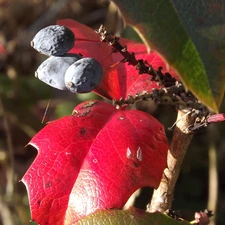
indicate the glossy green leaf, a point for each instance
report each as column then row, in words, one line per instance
column 132, row 216
column 191, row 37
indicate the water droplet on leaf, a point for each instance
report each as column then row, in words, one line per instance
column 139, row 154
column 128, row 153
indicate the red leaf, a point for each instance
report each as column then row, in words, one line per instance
column 93, row 160
column 120, row 79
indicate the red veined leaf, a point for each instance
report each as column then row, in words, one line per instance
column 120, row 79
column 94, row 159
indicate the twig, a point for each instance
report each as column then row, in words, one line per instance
column 163, row 196
column 10, row 162
column 141, row 65
column 168, row 96
column 5, row 213
column 26, row 128
column 213, row 134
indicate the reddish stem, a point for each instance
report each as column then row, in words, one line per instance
column 216, row 118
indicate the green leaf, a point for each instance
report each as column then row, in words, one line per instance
column 191, row 37
column 132, row 216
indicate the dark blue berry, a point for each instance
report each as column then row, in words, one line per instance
column 53, row 40
column 53, row 69
column 84, row 75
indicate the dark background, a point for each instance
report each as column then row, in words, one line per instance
column 23, row 100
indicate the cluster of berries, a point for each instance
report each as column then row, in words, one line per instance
column 62, row 70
